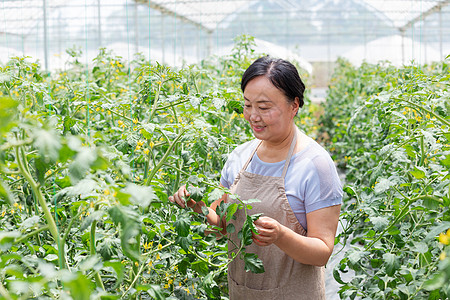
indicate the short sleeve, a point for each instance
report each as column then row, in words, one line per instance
column 225, row 175
column 323, row 188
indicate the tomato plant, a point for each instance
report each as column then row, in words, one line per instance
column 88, row 157
column 389, row 129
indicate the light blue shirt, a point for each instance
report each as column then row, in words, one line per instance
column 311, row 181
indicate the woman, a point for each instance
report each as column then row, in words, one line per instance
column 296, row 181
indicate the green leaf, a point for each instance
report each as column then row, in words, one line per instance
column 231, row 228
column 349, row 190
column 410, row 150
column 48, row 144
column 140, row 195
column 420, row 247
column 231, row 210
column 68, row 123
column 383, row 185
column 446, row 161
column 95, row 216
column 436, row 282
column 379, row 223
column 200, row 267
column 108, row 249
column 235, row 106
column 80, row 287
column 184, row 242
column 82, row 163
column 153, row 290
column 7, row 238
column 182, row 226
column 436, row 230
column 130, row 225
column 119, row 268
column 6, row 196
column 253, row 263
column 41, row 168
column 337, row 276
column 391, row 263
column 430, row 203
column 8, row 111
column 215, row 194
column 196, row 193
column 417, row 173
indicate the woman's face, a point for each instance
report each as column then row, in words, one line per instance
column 268, row 111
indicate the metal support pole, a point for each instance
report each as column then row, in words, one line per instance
column 210, row 44
column 163, row 37
column 99, row 24
column 44, row 7
column 402, row 32
column 136, row 28
column 440, row 35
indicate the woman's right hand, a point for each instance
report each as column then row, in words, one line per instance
column 180, row 196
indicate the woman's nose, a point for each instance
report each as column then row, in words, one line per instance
column 255, row 116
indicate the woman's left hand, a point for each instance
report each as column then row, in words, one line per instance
column 269, row 231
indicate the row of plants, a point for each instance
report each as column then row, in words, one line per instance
column 88, row 158
column 389, row 129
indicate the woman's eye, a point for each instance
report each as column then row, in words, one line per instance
column 263, row 108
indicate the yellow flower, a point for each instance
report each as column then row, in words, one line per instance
column 106, row 192
column 12, row 211
column 140, row 143
column 442, row 256
column 151, row 144
column 120, row 123
column 444, row 239
column 3, row 213
column 187, row 291
column 170, row 281
column 138, row 148
column 159, row 246
column 146, row 151
column 157, row 256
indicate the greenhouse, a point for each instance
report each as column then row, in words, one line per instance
column 147, row 150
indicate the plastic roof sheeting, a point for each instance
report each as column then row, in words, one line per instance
column 400, row 12
column 19, row 17
column 207, row 14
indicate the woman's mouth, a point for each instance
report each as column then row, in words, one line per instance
column 258, row 128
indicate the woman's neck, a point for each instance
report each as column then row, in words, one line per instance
column 274, row 152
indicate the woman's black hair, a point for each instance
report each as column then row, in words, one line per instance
column 283, row 75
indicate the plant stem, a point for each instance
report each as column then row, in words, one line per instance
column 422, row 152
column 155, row 102
column 164, row 158
column 428, row 111
column 37, row 192
column 24, row 238
column 4, row 292
column 98, row 277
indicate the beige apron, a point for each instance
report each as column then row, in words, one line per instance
column 284, row 278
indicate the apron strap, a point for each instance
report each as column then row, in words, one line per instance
column 288, row 159
column 251, row 156
column 291, row 152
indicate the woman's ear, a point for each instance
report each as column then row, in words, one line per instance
column 296, row 106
